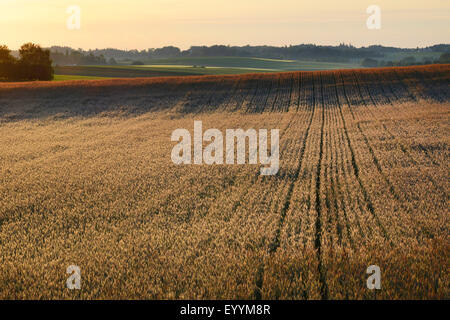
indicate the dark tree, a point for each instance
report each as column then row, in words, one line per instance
column 5, row 55
column 7, row 63
column 169, row 52
column 444, row 58
column 35, row 63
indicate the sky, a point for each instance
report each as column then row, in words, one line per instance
column 142, row 24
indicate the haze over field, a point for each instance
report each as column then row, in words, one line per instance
column 136, row 24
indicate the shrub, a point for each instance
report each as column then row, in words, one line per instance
column 444, row 58
column 370, row 63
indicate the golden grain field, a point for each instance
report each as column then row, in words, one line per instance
column 86, row 179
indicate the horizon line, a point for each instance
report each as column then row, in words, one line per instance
column 231, row 46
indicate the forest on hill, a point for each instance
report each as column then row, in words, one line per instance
column 341, row 53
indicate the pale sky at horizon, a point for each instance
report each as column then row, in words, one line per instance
column 140, row 24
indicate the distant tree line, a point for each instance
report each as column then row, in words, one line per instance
column 340, row 53
column 407, row 61
column 34, row 63
column 68, row 56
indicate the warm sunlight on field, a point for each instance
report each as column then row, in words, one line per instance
column 86, row 178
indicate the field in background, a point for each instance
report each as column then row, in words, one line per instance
column 254, row 63
column 199, row 66
column 148, row 71
column 86, row 178
column 69, row 77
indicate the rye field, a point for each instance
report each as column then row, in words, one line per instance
column 86, row 179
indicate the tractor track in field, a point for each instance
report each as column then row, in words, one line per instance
column 356, row 170
column 318, row 223
column 396, row 194
column 275, row 244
